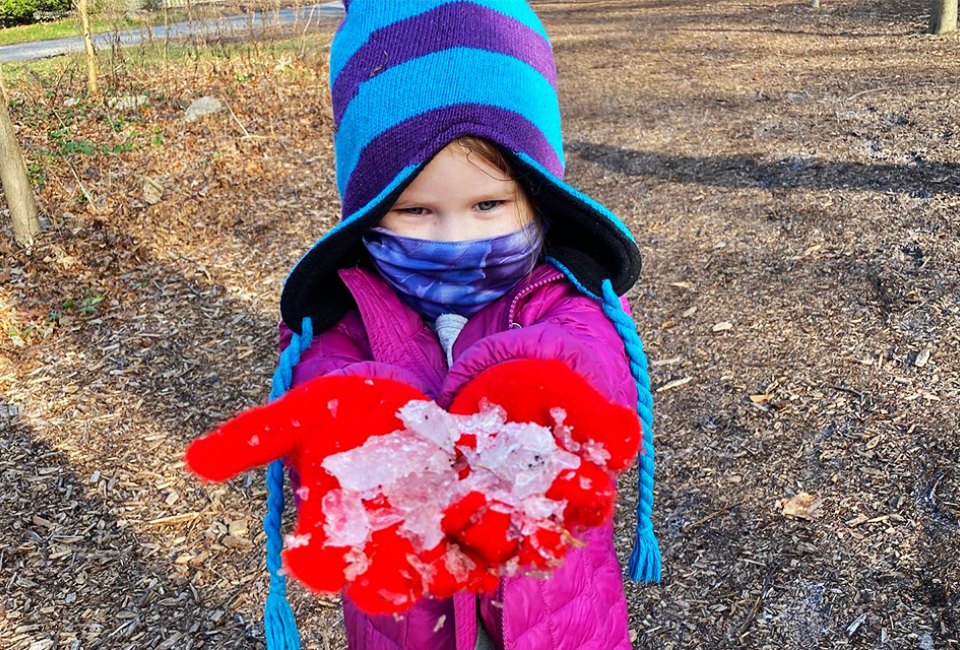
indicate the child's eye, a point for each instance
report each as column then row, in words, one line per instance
column 412, row 210
column 486, row 206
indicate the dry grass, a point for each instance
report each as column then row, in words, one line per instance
column 794, row 174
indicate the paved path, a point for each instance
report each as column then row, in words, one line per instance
column 229, row 25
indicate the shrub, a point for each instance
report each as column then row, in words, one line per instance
column 19, row 12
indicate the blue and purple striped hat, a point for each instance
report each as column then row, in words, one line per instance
column 407, row 77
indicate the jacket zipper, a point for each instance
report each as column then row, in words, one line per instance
column 500, row 617
column 512, row 312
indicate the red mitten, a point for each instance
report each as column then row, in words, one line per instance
column 482, row 532
column 319, row 567
column 529, row 389
column 543, row 549
column 325, row 416
column 392, row 582
column 590, row 494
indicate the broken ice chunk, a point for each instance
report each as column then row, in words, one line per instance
column 457, row 563
column 347, row 522
column 524, row 457
column 596, row 453
column 385, row 517
column 296, row 541
column 385, row 459
column 487, row 422
column 421, row 499
column 431, row 422
column 357, row 564
column 561, row 431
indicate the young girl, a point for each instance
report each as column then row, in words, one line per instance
column 461, row 249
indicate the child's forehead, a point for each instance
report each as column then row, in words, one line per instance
column 456, row 170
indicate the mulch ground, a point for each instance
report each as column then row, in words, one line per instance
column 793, row 179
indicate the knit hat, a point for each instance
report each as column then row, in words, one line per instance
column 407, row 77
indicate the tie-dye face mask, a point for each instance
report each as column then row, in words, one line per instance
column 462, row 277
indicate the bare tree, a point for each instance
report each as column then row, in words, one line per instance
column 16, row 183
column 3, row 89
column 92, row 87
column 943, row 16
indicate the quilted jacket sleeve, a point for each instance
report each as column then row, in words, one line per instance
column 564, row 325
column 344, row 350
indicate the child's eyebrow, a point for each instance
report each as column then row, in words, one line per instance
column 409, row 200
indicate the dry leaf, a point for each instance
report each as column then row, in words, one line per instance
column 801, row 506
column 238, row 527
column 761, row 398
column 234, row 541
column 722, row 326
column 152, row 191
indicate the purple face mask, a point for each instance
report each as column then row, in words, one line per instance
column 437, row 277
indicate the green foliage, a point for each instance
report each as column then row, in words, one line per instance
column 69, row 146
column 17, row 12
column 85, row 305
column 21, row 12
column 38, row 175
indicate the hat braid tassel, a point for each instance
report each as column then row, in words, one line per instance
column 279, row 625
column 645, row 560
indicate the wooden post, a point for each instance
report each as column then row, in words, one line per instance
column 943, row 16
column 92, row 87
column 16, row 183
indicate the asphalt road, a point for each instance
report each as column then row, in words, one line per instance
column 225, row 26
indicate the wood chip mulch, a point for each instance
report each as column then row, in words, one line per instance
column 793, row 179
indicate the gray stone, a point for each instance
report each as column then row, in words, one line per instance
column 202, row 107
column 128, row 102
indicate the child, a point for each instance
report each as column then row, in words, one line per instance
column 461, row 249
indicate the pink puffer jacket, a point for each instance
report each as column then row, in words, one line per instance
column 582, row 605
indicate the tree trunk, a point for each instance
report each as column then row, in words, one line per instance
column 943, row 16
column 16, row 183
column 92, row 88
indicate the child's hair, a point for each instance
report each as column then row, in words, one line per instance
column 488, row 151
column 494, row 155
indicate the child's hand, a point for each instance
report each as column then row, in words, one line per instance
column 604, row 435
column 324, row 416
column 385, row 573
column 530, row 390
